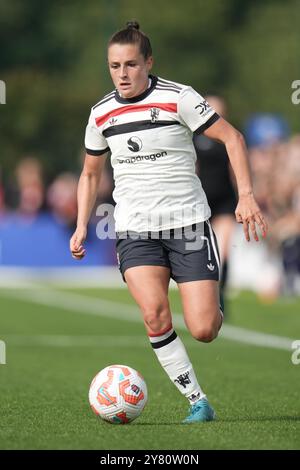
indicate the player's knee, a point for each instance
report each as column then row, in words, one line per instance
column 156, row 318
column 206, row 334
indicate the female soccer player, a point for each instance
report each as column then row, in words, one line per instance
column 161, row 214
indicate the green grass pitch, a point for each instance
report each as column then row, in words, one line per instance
column 53, row 352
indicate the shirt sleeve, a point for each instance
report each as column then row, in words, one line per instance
column 95, row 143
column 195, row 112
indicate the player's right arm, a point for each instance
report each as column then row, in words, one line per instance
column 86, row 196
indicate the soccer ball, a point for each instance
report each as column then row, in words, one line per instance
column 118, row 394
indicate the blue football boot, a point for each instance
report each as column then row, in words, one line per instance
column 200, row 411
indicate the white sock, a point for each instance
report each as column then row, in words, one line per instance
column 173, row 357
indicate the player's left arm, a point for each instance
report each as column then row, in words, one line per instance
column 247, row 211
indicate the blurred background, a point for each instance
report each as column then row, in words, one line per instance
column 53, row 61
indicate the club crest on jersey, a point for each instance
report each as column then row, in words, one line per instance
column 134, row 144
column 154, row 114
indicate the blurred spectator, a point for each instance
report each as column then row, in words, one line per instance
column 29, row 190
column 266, row 129
column 62, row 198
column 276, row 175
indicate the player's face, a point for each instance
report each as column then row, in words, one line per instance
column 128, row 69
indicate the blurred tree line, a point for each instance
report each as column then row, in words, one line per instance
column 53, row 60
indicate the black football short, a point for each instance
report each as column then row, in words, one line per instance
column 191, row 253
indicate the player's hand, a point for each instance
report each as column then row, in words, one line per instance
column 76, row 243
column 249, row 214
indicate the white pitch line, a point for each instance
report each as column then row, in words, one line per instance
column 243, row 335
column 65, row 341
column 90, row 341
column 108, row 308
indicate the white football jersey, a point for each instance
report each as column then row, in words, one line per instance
column 152, row 154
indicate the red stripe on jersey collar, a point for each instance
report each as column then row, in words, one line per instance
column 170, row 107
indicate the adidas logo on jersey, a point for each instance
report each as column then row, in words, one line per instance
column 210, row 266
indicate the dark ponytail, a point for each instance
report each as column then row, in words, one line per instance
column 132, row 25
column 132, row 35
